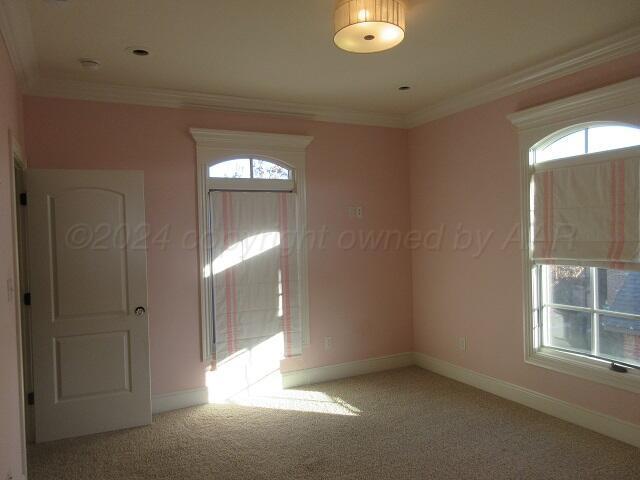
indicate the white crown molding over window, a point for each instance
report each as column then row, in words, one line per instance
column 618, row 100
column 15, row 27
column 250, row 140
column 616, row 46
column 213, row 146
column 619, row 103
column 602, row 99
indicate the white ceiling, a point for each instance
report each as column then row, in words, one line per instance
column 283, row 49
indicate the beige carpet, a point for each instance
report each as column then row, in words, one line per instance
column 402, row 424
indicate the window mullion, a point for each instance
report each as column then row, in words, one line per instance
column 544, row 299
column 595, row 326
column 586, row 141
column 541, row 309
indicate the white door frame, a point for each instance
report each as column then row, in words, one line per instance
column 18, row 160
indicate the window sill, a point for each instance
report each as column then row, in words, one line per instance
column 586, row 368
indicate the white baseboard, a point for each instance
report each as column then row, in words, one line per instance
column 200, row 396
column 181, row 399
column 310, row 376
column 598, row 422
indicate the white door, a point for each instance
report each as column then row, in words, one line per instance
column 88, row 301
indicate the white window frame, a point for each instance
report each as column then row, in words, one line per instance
column 216, row 146
column 619, row 104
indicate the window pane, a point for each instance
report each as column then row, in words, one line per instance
column 619, row 291
column 620, row 339
column 569, row 285
column 238, row 168
column 612, row 137
column 568, row 329
column 568, row 146
column 264, row 169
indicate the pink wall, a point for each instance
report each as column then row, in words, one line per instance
column 10, row 119
column 360, row 298
column 465, row 170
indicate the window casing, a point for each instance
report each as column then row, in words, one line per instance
column 577, row 334
column 220, row 154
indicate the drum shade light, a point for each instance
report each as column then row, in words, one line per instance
column 369, row 26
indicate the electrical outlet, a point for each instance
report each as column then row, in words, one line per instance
column 328, row 343
column 355, row 212
column 462, row 343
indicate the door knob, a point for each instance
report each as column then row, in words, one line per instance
column 139, row 311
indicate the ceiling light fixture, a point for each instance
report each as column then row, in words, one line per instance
column 368, row 26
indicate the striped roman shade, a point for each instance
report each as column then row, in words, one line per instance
column 586, row 211
column 255, row 273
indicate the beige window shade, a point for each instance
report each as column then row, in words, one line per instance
column 255, row 273
column 587, row 212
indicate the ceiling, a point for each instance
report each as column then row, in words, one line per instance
column 283, row 50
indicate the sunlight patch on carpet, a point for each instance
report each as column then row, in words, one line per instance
column 252, row 378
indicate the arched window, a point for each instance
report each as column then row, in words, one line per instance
column 250, row 168
column 253, row 258
column 592, row 138
column 247, row 173
column 580, row 181
column 585, row 296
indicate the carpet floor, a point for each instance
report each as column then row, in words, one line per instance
column 401, row 424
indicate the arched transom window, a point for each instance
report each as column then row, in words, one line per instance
column 249, row 168
column 582, row 140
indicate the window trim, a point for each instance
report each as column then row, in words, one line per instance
column 619, row 104
column 215, row 146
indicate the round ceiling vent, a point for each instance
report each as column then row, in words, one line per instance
column 139, row 51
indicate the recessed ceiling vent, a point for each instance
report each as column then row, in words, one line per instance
column 139, row 51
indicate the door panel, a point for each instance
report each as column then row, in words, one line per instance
column 92, row 365
column 78, row 255
column 88, row 276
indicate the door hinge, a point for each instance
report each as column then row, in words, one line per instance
column 23, row 199
column 27, row 299
column 31, row 400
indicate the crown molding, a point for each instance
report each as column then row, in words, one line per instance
column 232, row 139
column 182, row 99
column 15, row 26
column 617, row 46
column 603, row 99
